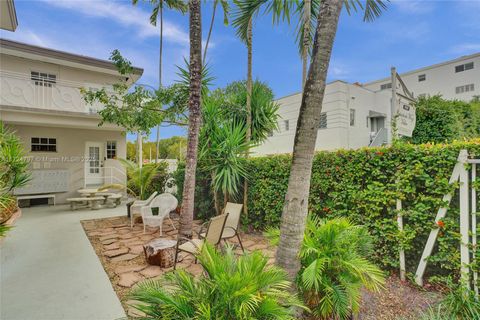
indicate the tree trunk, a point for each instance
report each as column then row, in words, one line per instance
column 139, row 150
column 249, row 109
column 216, row 202
column 194, row 119
column 159, row 75
column 295, row 208
column 209, row 31
column 306, row 39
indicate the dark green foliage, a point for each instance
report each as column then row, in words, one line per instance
column 440, row 120
column 231, row 287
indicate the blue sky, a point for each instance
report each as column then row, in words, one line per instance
column 410, row 34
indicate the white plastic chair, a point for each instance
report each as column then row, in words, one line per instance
column 165, row 203
column 136, row 207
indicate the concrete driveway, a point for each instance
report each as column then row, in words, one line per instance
column 50, row 271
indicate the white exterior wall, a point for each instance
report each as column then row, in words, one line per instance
column 440, row 79
column 339, row 98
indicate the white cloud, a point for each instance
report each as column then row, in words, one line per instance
column 414, row 6
column 465, row 48
column 124, row 14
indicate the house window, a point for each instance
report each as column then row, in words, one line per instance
column 44, row 144
column 386, row 86
column 422, row 77
column 287, row 125
column 111, row 149
column 323, row 121
column 43, row 79
column 464, row 67
column 466, row 88
column 352, row 117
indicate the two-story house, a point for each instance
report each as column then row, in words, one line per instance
column 40, row 100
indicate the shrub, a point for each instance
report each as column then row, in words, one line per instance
column 231, row 288
column 440, row 120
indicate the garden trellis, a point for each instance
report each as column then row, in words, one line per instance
column 464, row 172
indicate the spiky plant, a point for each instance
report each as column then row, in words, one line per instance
column 334, row 267
column 139, row 178
column 230, row 288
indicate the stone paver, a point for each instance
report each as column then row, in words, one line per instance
column 109, row 237
column 129, row 268
column 138, row 249
column 248, row 243
column 151, row 271
column 112, row 246
column 126, row 236
column 109, row 241
column 195, row 269
column 115, row 253
column 124, row 257
column 128, row 279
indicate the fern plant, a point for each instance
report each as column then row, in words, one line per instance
column 230, row 288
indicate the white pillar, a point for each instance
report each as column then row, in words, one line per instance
column 139, row 150
column 474, row 225
column 464, row 222
column 402, row 252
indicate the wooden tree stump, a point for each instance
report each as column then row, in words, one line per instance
column 160, row 252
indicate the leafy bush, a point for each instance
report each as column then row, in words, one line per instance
column 144, row 181
column 440, row 120
column 334, row 266
column 231, row 288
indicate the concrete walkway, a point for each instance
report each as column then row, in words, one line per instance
column 50, row 271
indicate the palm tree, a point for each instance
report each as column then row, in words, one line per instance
column 194, row 119
column 243, row 16
column 295, row 209
column 226, row 9
column 157, row 14
column 230, row 287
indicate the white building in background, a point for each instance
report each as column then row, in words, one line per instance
column 358, row 115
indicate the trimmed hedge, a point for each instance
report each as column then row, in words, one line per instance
column 363, row 185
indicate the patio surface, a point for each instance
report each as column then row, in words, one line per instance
column 120, row 250
column 50, row 271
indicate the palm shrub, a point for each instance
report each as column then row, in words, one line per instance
column 334, row 266
column 230, row 288
column 13, row 173
column 143, row 180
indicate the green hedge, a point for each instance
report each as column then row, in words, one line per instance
column 362, row 185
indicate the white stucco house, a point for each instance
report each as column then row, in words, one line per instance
column 40, row 100
column 358, row 115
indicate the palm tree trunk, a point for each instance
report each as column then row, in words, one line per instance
column 209, row 31
column 249, row 109
column 159, row 74
column 306, row 38
column 194, row 119
column 295, row 208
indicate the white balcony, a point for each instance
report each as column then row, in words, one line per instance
column 18, row 90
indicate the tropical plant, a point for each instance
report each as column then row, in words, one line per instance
column 296, row 200
column 334, row 266
column 157, row 14
column 13, row 173
column 459, row 304
column 140, row 178
column 231, row 287
column 194, row 118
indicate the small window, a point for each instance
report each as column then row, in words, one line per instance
column 352, row 117
column 466, row 88
column 111, row 149
column 464, row 67
column 43, row 79
column 43, row 144
column 386, row 86
column 287, row 125
column 422, row 77
column 323, row 121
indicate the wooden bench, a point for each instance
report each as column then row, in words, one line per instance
column 36, row 196
column 93, row 203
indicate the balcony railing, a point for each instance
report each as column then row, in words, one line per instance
column 17, row 89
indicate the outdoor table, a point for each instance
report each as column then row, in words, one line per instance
column 88, row 192
column 160, row 252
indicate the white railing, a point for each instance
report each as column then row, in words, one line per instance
column 380, row 138
column 18, row 90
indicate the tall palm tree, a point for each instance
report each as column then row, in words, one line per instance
column 157, row 14
column 243, row 16
column 295, row 208
column 226, row 9
column 194, row 119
